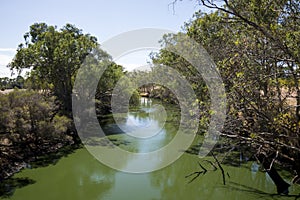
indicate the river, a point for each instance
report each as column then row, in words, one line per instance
column 81, row 176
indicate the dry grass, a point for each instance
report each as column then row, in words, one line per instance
column 9, row 91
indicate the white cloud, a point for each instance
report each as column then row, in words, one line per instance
column 6, row 56
column 5, row 59
column 7, row 50
column 134, row 59
column 4, row 72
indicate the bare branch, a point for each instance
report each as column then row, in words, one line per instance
column 221, row 168
column 271, row 165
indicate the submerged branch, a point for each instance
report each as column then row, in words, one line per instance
column 221, row 168
column 204, row 170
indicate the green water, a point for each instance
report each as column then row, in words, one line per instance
column 81, row 176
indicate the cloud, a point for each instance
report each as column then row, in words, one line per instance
column 5, row 59
column 4, row 71
column 6, row 56
column 7, row 50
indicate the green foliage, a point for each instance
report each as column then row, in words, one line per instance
column 11, row 83
column 106, row 84
column 135, row 98
column 259, row 71
column 182, row 66
column 255, row 45
column 30, row 113
column 30, row 125
column 54, row 57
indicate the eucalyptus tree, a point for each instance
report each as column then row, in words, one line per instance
column 260, row 47
column 54, row 56
column 255, row 45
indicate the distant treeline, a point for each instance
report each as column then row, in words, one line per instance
column 11, row 83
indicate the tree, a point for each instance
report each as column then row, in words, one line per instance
column 10, row 83
column 106, row 85
column 255, row 45
column 29, row 127
column 54, row 57
column 19, row 82
column 265, row 86
column 277, row 22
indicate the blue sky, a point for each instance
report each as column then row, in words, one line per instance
column 101, row 18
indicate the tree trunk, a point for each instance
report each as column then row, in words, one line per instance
column 282, row 186
column 298, row 109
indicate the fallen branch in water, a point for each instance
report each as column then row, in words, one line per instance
column 204, row 170
column 198, row 173
column 221, row 168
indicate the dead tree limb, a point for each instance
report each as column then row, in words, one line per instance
column 221, row 168
column 281, row 185
column 204, row 170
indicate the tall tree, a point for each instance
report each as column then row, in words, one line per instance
column 54, row 57
column 255, row 45
column 277, row 22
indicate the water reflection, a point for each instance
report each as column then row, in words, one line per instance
column 145, row 130
column 145, row 122
column 144, row 127
column 81, row 176
column 145, row 102
column 78, row 176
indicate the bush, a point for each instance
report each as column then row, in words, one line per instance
column 30, row 120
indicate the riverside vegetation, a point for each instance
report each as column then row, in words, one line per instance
column 255, row 45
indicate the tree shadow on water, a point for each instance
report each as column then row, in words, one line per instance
column 106, row 142
column 258, row 193
column 8, row 186
column 54, row 157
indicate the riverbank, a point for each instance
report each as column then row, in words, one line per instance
column 31, row 126
column 10, row 183
column 80, row 176
column 13, row 162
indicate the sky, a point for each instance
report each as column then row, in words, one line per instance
column 101, row 18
